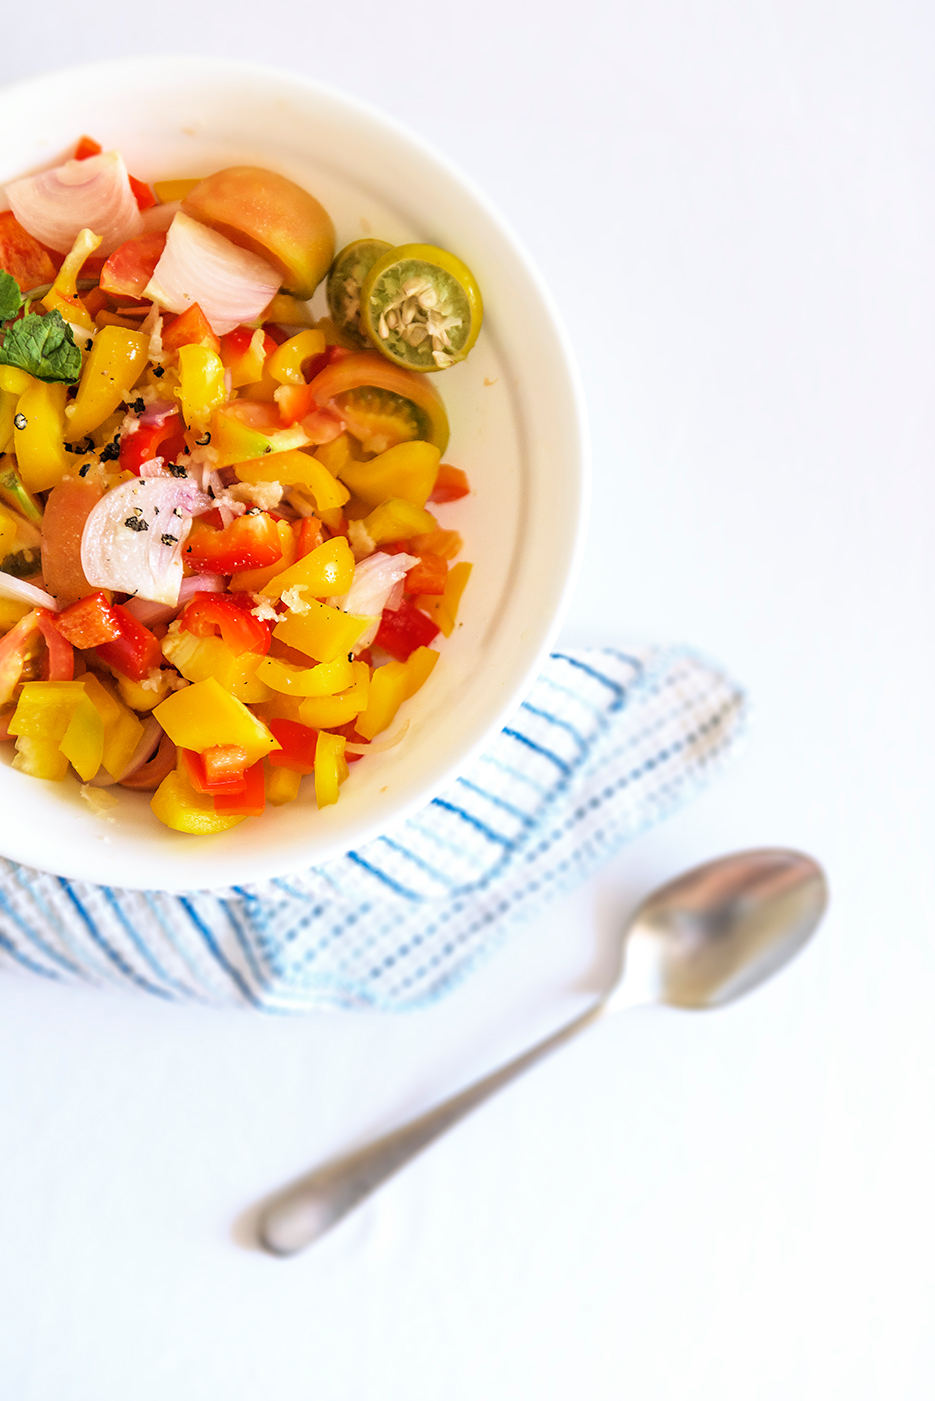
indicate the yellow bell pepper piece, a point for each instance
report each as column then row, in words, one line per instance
column 253, row 580
column 57, row 716
column 336, row 454
column 140, row 697
column 286, row 364
column 324, row 680
column 405, row 472
column 328, row 712
column 443, row 608
column 40, row 758
column 330, row 768
column 204, row 714
column 110, row 371
column 13, row 380
column 39, row 435
column 246, row 368
column 8, row 533
column 397, row 520
column 45, row 708
column 282, row 785
column 390, row 685
column 176, row 803
column 201, row 384
column 198, row 658
column 324, row 572
column 11, row 612
column 122, row 730
column 63, row 294
column 83, row 741
column 322, row 633
column 295, row 468
column 278, row 707
column 7, row 410
column 168, row 191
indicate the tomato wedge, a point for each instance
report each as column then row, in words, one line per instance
column 370, row 368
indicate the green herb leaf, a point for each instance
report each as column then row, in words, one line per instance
column 44, row 347
column 10, row 296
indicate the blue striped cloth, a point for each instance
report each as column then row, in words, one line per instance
column 606, row 743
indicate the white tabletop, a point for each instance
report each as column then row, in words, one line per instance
column 733, row 205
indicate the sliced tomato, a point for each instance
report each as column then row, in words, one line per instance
column 88, row 623
column 136, row 652
column 59, row 661
column 23, row 256
column 17, row 648
column 295, row 401
column 191, row 328
column 249, row 542
column 248, row 803
column 165, row 440
column 403, row 630
column 66, row 510
column 227, row 616
column 298, row 746
column 450, row 485
column 428, row 576
column 129, row 268
column 371, row 369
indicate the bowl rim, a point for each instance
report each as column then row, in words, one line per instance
column 149, row 68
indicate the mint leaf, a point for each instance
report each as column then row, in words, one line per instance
column 10, row 297
column 44, row 347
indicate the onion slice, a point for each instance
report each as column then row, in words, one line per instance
column 55, row 205
column 379, row 745
column 375, row 579
column 18, row 589
column 148, row 613
column 133, row 538
column 230, row 284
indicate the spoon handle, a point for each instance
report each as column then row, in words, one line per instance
column 308, row 1208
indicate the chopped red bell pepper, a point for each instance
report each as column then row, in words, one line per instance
column 298, row 746
column 221, row 769
column 145, row 199
column 165, row 440
column 251, row 802
column 249, row 542
column 136, row 652
column 428, row 576
column 235, row 346
column 59, row 662
column 450, row 484
column 191, row 328
column 402, row 631
column 89, row 622
column 129, row 268
column 87, row 146
column 227, row 615
column 308, row 536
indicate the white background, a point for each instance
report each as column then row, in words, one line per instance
column 732, row 202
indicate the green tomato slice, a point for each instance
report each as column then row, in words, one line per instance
column 345, row 280
column 421, row 307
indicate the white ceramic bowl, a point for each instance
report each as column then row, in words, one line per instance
column 518, row 429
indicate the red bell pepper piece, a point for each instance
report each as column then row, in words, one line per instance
column 298, row 746
column 165, row 440
column 59, row 663
column 249, row 542
column 249, row 803
column 308, row 536
column 136, row 652
column 89, row 622
column 191, row 328
column 228, row 616
column 87, row 146
column 145, row 199
column 402, row 631
column 129, row 267
column 219, row 770
column 428, row 576
column 450, row 484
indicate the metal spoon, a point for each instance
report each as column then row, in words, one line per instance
column 700, row 941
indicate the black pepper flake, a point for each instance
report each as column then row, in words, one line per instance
column 111, row 451
column 83, row 471
column 19, row 421
column 177, row 469
column 135, row 523
column 169, row 539
column 138, row 405
column 158, row 371
column 89, row 345
column 203, row 442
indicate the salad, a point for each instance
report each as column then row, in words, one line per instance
column 220, row 570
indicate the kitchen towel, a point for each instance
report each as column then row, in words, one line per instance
column 606, row 743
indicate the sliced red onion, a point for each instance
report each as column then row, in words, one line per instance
column 201, row 583
column 148, row 613
column 375, row 580
column 380, row 745
column 394, row 599
column 199, row 265
column 156, row 413
column 154, row 467
column 133, row 538
column 55, row 205
column 18, row 589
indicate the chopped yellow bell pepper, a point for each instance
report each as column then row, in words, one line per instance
column 336, row 454
column 13, row 380
column 115, row 363
column 14, row 493
column 246, row 367
column 45, row 708
column 405, row 472
column 57, row 722
column 397, row 520
column 168, row 191
column 122, row 730
column 176, row 803
column 443, row 608
column 330, row 768
column 390, row 685
column 40, row 758
column 253, row 580
column 11, row 611
column 295, row 468
column 325, row 572
column 39, row 435
column 140, row 697
column 286, row 364
column 197, row 658
column 7, row 411
column 204, row 714
column 328, row 712
column 324, row 680
column 83, row 741
column 63, row 294
column 282, row 785
column 322, row 632
column 201, row 384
